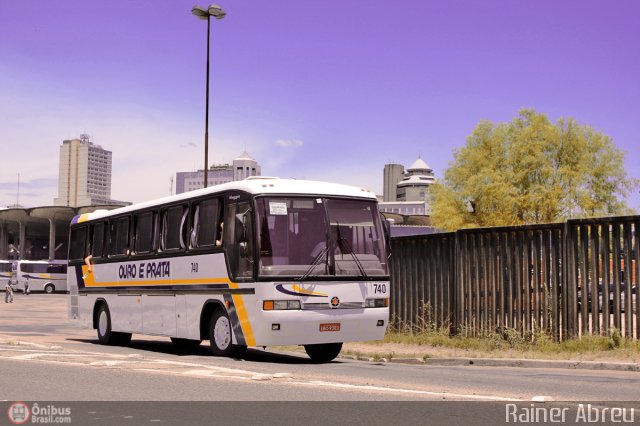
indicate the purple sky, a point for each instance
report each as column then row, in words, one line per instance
column 327, row 90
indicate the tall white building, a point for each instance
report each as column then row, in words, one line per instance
column 245, row 166
column 241, row 168
column 84, row 177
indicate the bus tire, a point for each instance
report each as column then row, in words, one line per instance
column 221, row 336
column 103, row 326
column 324, row 352
column 185, row 344
column 49, row 288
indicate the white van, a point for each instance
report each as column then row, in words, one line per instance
column 43, row 275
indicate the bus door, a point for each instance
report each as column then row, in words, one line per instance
column 238, row 237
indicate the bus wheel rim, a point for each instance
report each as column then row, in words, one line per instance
column 222, row 333
column 102, row 323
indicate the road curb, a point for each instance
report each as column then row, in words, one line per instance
column 501, row 362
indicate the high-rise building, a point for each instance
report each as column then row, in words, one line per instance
column 84, row 177
column 241, row 168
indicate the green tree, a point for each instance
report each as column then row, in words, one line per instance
column 528, row 171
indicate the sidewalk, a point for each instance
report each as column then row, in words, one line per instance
column 435, row 356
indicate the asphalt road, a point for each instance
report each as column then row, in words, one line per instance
column 44, row 357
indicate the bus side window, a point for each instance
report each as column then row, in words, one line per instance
column 155, row 232
column 162, row 235
column 56, row 268
column 174, row 228
column 143, row 233
column 205, row 224
column 119, row 237
column 97, row 240
column 78, row 240
column 195, row 227
column 184, row 228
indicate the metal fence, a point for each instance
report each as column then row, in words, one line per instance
column 565, row 279
column 602, row 261
column 423, row 279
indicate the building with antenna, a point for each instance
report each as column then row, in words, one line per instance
column 241, row 168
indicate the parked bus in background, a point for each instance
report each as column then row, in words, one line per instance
column 7, row 272
column 48, row 276
column 259, row 262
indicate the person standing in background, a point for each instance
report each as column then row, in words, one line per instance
column 8, row 293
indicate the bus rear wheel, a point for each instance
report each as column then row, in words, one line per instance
column 105, row 335
column 49, row 288
column 220, row 336
column 324, row 352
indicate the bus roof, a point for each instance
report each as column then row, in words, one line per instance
column 254, row 185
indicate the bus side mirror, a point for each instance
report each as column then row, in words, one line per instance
column 387, row 224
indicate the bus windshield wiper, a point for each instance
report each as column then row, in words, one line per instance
column 315, row 262
column 343, row 244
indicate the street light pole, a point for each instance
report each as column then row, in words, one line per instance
column 206, row 120
column 202, row 13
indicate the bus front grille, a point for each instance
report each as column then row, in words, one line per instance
column 321, row 306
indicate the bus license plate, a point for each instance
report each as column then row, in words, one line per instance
column 333, row 326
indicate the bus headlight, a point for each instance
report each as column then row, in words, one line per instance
column 376, row 303
column 280, row 305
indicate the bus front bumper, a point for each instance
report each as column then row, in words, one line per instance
column 303, row 327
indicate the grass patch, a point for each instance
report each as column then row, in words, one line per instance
column 499, row 345
column 510, row 342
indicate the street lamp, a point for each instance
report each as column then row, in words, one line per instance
column 202, row 13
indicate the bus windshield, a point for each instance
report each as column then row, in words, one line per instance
column 307, row 237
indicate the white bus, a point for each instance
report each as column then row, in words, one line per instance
column 43, row 275
column 297, row 263
column 7, row 271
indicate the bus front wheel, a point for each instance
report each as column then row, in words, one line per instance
column 105, row 335
column 220, row 336
column 49, row 288
column 322, row 353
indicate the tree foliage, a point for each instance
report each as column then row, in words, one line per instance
column 528, row 171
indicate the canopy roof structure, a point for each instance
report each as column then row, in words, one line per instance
column 38, row 232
